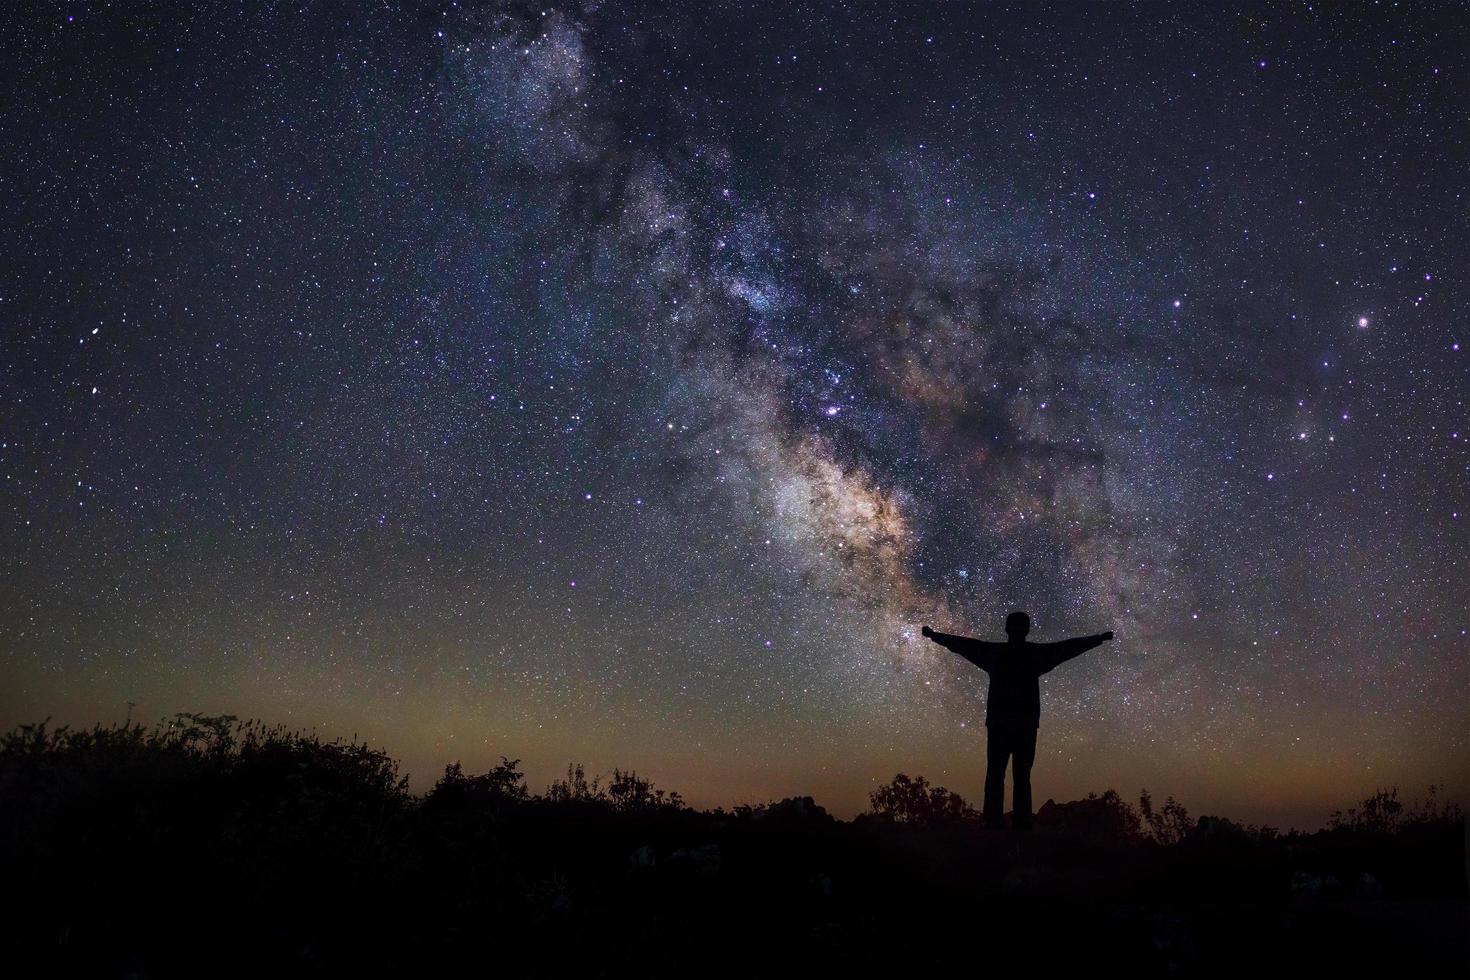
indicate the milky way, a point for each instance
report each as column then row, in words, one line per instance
column 628, row 385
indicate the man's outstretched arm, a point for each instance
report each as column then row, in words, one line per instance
column 1064, row 650
column 978, row 652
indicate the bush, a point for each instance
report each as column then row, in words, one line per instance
column 914, row 801
column 1382, row 813
column 1108, row 817
column 626, row 792
column 1169, row 825
column 629, row 793
column 147, row 851
column 501, row 785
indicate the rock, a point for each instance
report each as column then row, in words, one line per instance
column 1216, row 830
column 704, row 861
column 1305, row 885
column 643, row 857
column 796, row 809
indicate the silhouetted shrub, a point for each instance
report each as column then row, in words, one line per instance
column 1382, row 813
column 303, row 856
column 1107, row 816
column 576, row 788
column 503, row 784
column 1378, row 814
column 914, row 801
column 629, row 793
column 1169, row 825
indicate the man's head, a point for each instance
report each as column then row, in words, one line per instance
column 1018, row 624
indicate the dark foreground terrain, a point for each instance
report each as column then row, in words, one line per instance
column 206, row 847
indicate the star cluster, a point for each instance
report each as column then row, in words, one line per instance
column 627, row 384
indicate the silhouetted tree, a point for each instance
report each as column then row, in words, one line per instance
column 1378, row 814
column 1107, row 816
column 313, row 852
column 630, row 793
column 1434, row 811
column 576, row 788
column 1170, row 824
column 1382, row 813
column 914, row 801
column 505, row 783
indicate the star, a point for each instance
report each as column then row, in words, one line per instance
column 818, row 317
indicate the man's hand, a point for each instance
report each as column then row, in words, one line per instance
column 926, row 631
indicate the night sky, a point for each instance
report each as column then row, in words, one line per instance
column 627, row 384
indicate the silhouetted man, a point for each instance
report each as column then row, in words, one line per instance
column 1013, row 707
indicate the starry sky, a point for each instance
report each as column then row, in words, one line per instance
column 627, row 383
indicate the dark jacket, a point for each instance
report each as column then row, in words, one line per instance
column 1014, row 668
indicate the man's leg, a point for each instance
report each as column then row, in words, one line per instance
column 997, row 749
column 1024, row 754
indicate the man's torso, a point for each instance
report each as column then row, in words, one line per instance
column 1014, row 698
